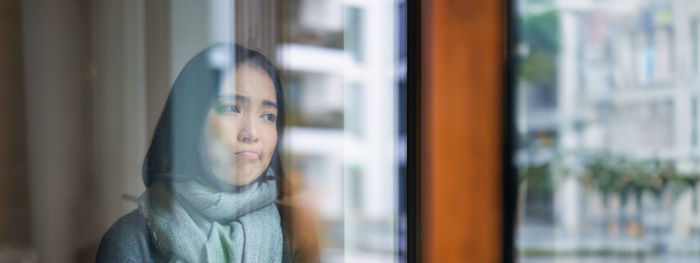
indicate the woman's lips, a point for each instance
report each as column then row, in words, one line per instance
column 248, row 155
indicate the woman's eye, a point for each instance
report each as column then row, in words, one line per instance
column 227, row 108
column 270, row 117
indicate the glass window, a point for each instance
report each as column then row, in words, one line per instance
column 241, row 130
column 607, row 131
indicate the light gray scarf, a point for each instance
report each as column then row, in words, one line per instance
column 194, row 223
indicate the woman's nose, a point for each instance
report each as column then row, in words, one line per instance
column 248, row 131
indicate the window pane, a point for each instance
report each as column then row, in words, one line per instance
column 607, row 118
column 232, row 130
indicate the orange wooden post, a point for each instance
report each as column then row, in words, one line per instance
column 462, row 46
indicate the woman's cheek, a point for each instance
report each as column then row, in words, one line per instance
column 225, row 129
column 270, row 143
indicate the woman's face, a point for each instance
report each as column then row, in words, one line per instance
column 241, row 130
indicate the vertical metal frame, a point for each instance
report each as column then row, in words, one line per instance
column 510, row 177
column 413, row 129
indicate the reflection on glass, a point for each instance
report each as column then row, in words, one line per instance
column 108, row 68
column 607, row 155
column 343, row 123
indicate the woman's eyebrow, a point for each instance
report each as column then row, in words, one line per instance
column 246, row 99
column 269, row 103
column 235, row 97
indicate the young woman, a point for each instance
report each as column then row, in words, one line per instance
column 212, row 170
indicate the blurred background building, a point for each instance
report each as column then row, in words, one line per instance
column 608, row 131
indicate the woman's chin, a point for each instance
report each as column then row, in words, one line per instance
column 240, row 178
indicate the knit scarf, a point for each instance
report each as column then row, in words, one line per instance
column 194, row 223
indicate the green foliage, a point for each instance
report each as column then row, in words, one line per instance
column 611, row 175
column 540, row 34
column 614, row 174
column 538, row 176
column 601, row 173
column 538, row 68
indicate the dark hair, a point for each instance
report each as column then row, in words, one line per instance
column 176, row 150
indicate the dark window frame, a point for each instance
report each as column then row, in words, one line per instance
column 509, row 133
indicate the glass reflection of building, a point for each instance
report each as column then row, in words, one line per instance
column 626, row 85
column 342, row 129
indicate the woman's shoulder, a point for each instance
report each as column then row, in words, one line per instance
column 127, row 241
